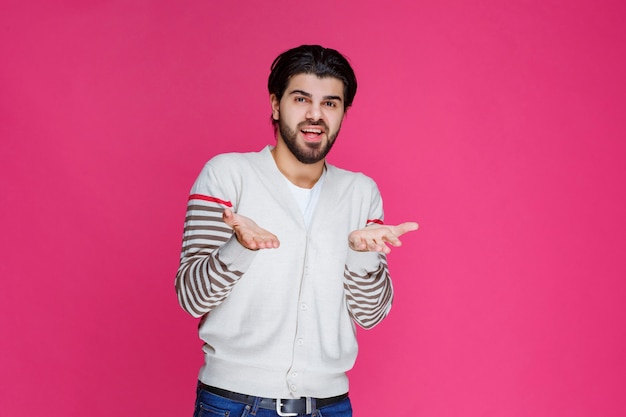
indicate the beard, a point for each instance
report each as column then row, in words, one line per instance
column 307, row 153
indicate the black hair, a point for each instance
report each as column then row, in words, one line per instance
column 312, row 59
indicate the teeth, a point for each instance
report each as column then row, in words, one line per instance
column 318, row 131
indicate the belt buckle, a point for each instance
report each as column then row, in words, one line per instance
column 279, row 408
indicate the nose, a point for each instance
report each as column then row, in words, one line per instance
column 314, row 112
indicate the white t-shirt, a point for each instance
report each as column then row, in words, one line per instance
column 307, row 197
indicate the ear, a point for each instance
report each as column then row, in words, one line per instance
column 275, row 103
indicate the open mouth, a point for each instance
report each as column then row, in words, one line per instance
column 312, row 133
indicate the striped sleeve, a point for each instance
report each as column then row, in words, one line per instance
column 211, row 260
column 367, row 285
column 369, row 292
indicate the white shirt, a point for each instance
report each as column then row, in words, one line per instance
column 307, row 197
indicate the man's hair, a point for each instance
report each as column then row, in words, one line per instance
column 312, row 59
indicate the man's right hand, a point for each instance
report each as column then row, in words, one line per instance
column 248, row 233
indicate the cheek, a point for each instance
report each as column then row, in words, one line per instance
column 335, row 122
column 289, row 115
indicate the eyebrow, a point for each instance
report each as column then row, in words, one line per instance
column 306, row 94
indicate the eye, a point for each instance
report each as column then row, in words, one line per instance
column 300, row 100
column 331, row 104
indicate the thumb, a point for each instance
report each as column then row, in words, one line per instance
column 228, row 217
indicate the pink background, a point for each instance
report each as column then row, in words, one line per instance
column 498, row 126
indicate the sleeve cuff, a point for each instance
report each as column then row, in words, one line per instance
column 235, row 255
column 363, row 262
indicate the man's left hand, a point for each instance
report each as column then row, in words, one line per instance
column 376, row 238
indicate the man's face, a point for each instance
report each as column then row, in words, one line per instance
column 309, row 116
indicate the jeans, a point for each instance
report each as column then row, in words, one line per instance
column 211, row 405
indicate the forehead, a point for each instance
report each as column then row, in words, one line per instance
column 317, row 87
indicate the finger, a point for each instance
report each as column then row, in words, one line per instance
column 391, row 236
column 248, row 241
column 275, row 243
column 260, row 241
column 393, row 240
column 268, row 241
column 405, row 227
column 376, row 245
column 228, row 217
column 272, row 242
column 358, row 244
column 380, row 248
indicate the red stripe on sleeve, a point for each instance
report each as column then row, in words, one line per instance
column 374, row 221
column 211, row 199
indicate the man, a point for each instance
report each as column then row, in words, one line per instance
column 282, row 253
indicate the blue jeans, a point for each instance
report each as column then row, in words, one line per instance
column 211, row 405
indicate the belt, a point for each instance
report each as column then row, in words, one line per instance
column 284, row 407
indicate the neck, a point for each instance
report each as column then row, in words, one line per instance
column 300, row 174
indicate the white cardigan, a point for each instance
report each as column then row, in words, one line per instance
column 279, row 322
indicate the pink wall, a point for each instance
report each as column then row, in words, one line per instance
column 499, row 126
